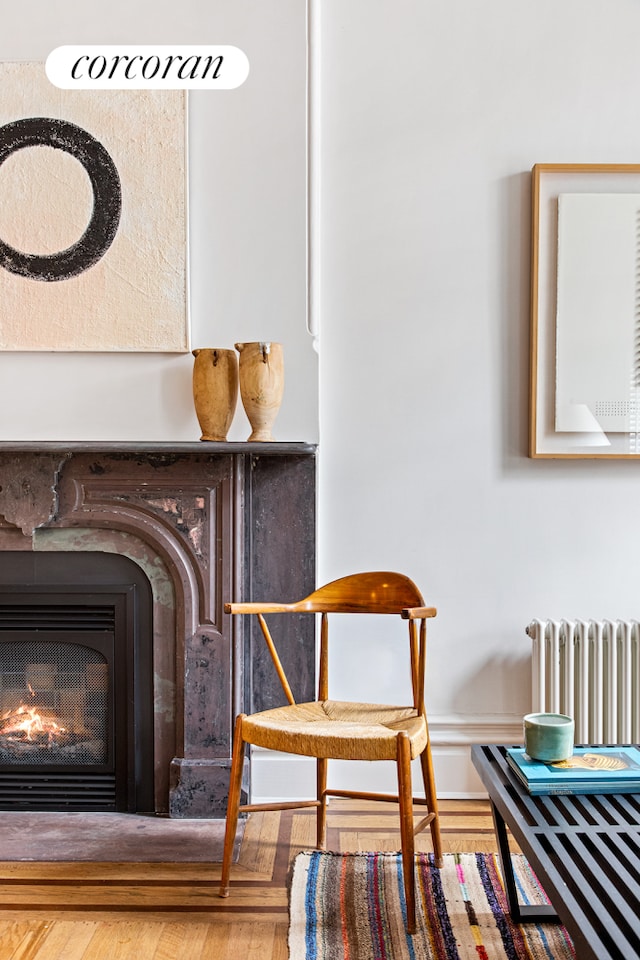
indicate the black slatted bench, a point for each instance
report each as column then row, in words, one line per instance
column 585, row 851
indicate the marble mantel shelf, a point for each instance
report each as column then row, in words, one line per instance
column 275, row 448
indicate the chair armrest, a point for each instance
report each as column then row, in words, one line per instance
column 258, row 607
column 418, row 613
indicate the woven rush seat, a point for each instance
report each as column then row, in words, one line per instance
column 337, row 730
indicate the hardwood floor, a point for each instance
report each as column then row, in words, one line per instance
column 142, row 911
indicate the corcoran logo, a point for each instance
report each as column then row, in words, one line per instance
column 96, row 67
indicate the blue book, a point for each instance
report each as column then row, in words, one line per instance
column 614, row 769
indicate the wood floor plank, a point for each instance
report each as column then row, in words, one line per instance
column 280, row 942
column 128, row 897
column 19, row 940
column 126, row 940
column 179, row 939
column 260, row 841
column 12, row 933
column 216, row 943
column 251, row 943
column 303, row 833
column 303, row 828
column 65, row 940
column 249, row 850
column 100, row 872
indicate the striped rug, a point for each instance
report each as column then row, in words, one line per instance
column 352, row 907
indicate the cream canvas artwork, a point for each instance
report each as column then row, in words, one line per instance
column 93, row 233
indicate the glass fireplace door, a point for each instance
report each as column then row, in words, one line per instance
column 56, row 701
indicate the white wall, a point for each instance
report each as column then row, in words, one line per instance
column 247, row 227
column 433, row 113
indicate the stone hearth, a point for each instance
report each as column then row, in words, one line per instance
column 206, row 523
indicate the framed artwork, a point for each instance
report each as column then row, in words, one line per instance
column 93, row 217
column 585, row 311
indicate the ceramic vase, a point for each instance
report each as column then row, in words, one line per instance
column 215, row 391
column 261, row 385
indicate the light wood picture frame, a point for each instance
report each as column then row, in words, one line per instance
column 585, row 312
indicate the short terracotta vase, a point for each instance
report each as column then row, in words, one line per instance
column 215, row 391
column 261, row 385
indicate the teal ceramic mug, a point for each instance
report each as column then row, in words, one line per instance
column 548, row 736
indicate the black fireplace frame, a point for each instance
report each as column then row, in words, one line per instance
column 90, row 595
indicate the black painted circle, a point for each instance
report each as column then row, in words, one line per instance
column 107, row 198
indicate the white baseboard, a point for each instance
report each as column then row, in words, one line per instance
column 283, row 776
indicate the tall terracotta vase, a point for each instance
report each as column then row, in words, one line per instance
column 261, row 385
column 215, row 391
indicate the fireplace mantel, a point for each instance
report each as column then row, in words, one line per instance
column 207, row 523
column 276, row 448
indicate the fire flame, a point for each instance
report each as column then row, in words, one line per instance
column 28, row 724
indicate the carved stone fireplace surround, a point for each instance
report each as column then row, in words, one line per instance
column 207, row 523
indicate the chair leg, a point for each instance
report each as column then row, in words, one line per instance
column 321, row 821
column 406, row 827
column 233, row 805
column 426, row 764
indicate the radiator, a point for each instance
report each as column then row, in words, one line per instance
column 589, row 670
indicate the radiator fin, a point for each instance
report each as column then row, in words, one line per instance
column 589, row 670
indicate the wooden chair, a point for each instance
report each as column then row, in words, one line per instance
column 328, row 729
